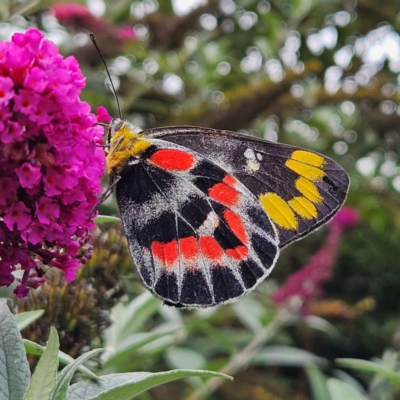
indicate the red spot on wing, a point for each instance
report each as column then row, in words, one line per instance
column 188, row 247
column 224, row 194
column 167, row 253
column 230, row 180
column 238, row 253
column 210, row 248
column 173, row 160
column 236, row 225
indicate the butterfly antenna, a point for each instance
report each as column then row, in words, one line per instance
column 108, row 73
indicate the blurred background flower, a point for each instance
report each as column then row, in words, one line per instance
column 306, row 285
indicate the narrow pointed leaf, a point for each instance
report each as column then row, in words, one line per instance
column 44, row 379
column 14, row 368
column 182, row 357
column 286, row 355
column 131, row 345
column 106, row 218
column 65, row 376
column 340, row 390
column 318, row 383
column 363, row 365
column 37, row 349
column 26, row 318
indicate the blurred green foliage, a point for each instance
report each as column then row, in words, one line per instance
column 314, row 73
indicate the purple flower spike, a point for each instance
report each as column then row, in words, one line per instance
column 50, row 165
column 306, row 284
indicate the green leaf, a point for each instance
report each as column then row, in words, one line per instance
column 37, row 350
column 351, row 380
column 322, row 325
column 65, row 376
column 318, row 383
column 128, row 319
column 26, row 318
column 128, row 385
column 339, row 390
column 131, row 345
column 106, row 218
column 250, row 313
column 138, row 312
column 184, row 358
column 363, row 365
column 389, row 359
column 44, row 379
column 14, row 368
column 286, row 355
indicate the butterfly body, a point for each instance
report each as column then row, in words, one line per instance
column 206, row 211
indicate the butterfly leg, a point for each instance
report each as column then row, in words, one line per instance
column 106, row 194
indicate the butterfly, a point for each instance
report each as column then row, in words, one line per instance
column 206, row 211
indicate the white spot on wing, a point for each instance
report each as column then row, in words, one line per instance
column 252, row 163
column 209, row 225
column 249, row 154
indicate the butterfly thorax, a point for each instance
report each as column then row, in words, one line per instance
column 125, row 144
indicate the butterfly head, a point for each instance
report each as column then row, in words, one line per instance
column 113, row 128
column 125, row 143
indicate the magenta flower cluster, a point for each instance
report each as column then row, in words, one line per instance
column 50, row 162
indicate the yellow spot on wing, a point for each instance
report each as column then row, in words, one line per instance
column 279, row 211
column 308, row 190
column 309, row 158
column 306, row 170
column 303, row 207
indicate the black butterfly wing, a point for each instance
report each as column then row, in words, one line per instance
column 299, row 189
column 197, row 235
